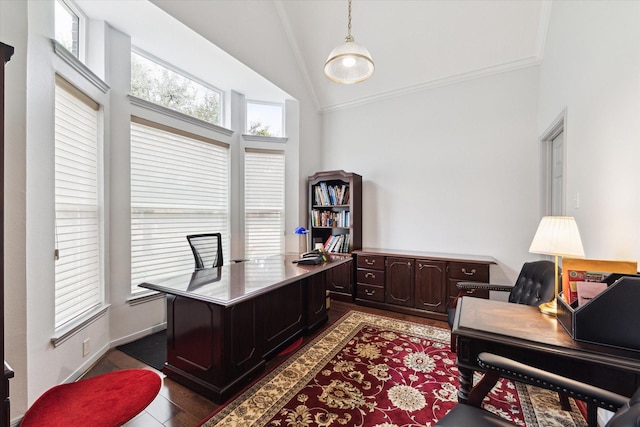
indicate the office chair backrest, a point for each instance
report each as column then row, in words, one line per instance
column 535, row 284
column 628, row 415
column 207, row 249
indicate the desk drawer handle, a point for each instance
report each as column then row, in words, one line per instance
column 369, row 261
column 367, row 275
column 369, row 293
column 473, row 271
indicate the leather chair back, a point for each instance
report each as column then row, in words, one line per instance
column 628, row 415
column 535, row 284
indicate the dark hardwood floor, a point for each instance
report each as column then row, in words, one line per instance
column 176, row 405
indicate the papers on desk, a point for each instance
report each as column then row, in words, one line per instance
column 588, row 290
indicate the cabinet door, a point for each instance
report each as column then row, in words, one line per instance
column 431, row 285
column 340, row 278
column 399, row 281
column 316, row 300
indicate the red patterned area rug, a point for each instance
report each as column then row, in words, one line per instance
column 368, row 370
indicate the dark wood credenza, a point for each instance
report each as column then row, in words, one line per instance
column 415, row 282
column 224, row 323
column 6, row 52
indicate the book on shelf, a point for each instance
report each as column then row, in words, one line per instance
column 322, row 218
column 331, row 195
column 337, row 243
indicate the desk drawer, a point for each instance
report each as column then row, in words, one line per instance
column 469, row 272
column 370, row 292
column 370, row 277
column 375, row 262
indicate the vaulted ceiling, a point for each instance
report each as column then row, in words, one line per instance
column 415, row 44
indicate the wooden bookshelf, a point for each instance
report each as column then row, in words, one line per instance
column 335, row 211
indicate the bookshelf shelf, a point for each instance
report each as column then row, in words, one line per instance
column 335, row 210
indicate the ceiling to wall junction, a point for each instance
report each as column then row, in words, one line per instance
column 416, row 44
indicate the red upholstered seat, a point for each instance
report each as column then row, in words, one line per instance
column 106, row 400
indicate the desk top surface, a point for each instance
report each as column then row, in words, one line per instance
column 526, row 327
column 237, row 282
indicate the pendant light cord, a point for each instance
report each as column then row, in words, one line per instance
column 349, row 26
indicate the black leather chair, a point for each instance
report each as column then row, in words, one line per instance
column 207, row 249
column 534, row 286
column 471, row 414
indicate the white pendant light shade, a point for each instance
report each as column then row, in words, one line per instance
column 349, row 63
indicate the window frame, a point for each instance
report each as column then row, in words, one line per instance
column 187, row 257
column 273, row 104
column 82, row 28
column 98, row 307
column 281, row 210
column 162, row 63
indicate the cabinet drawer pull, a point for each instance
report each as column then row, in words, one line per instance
column 368, row 274
column 473, row 271
column 369, row 293
column 370, row 261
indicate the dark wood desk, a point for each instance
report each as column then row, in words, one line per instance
column 223, row 323
column 523, row 333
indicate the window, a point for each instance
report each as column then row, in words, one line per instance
column 179, row 186
column 264, row 118
column 78, row 269
column 67, row 27
column 264, row 202
column 173, row 89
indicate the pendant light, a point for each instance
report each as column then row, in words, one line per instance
column 350, row 62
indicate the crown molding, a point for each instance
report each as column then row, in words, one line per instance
column 528, row 62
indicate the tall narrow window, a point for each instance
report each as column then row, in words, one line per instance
column 67, row 27
column 264, row 202
column 179, row 186
column 78, row 284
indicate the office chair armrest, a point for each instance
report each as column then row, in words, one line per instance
column 516, row 371
column 472, row 286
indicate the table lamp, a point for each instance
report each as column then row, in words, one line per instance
column 557, row 236
column 304, row 232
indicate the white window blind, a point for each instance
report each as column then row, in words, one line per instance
column 179, row 186
column 78, row 284
column 264, row 202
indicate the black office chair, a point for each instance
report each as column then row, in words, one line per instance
column 470, row 413
column 207, row 249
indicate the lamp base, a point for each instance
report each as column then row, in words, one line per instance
column 550, row 308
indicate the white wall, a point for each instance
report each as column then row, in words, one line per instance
column 451, row 169
column 591, row 67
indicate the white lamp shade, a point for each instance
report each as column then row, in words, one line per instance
column 557, row 235
column 349, row 63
